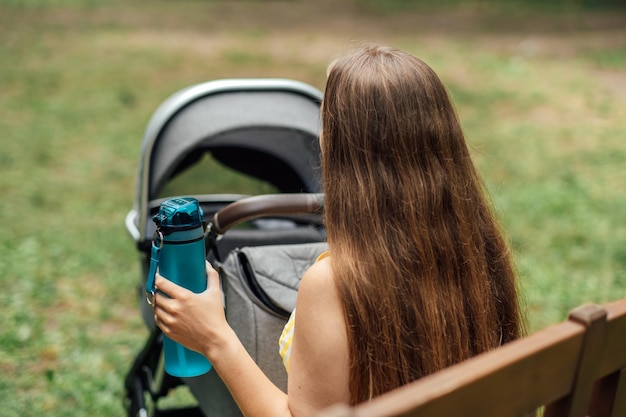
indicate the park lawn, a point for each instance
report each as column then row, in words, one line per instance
column 541, row 96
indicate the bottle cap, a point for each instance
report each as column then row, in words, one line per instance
column 179, row 212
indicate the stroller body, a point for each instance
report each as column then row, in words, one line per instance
column 264, row 129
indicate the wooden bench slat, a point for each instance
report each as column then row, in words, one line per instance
column 576, row 403
column 614, row 353
column 609, row 396
column 619, row 399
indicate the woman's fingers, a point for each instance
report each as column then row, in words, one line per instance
column 168, row 287
column 176, row 291
column 171, row 299
column 167, row 299
column 164, row 314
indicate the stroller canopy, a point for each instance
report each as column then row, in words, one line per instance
column 266, row 128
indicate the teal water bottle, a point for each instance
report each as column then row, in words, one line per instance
column 179, row 240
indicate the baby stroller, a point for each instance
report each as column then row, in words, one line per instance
column 261, row 243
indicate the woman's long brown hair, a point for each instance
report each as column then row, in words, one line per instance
column 420, row 263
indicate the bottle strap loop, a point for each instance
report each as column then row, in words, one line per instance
column 155, row 254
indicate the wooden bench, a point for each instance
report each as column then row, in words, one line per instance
column 609, row 394
column 574, row 368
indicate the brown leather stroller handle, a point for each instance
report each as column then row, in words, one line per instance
column 266, row 205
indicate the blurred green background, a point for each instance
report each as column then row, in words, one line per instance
column 540, row 88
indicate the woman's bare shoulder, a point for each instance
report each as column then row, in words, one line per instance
column 318, row 276
column 318, row 300
column 318, row 374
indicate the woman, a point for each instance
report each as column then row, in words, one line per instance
column 418, row 275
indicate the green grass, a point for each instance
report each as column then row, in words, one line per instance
column 543, row 112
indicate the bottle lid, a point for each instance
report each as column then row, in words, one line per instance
column 179, row 212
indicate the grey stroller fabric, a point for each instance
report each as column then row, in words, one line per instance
column 260, row 287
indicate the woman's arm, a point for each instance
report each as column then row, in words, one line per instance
column 319, row 367
column 198, row 322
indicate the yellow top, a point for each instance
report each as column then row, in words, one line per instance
column 287, row 336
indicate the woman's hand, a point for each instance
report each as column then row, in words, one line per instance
column 196, row 321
